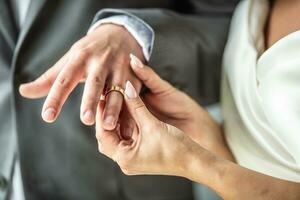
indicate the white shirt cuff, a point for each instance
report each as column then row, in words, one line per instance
column 139, row 29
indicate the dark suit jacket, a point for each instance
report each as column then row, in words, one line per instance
column 60, row 160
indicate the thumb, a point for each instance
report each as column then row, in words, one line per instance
column 108, row 140
column 136, row 106
column 149, row 78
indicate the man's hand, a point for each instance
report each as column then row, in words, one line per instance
column 100, row 59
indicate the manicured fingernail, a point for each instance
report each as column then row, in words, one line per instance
column 49, row 114
column 88, row 116
column 109, row 120
column 130, row 91
column 135, row 61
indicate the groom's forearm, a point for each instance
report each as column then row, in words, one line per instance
column 232, row 181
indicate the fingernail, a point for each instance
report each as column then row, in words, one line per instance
column 130, row 91
column 109, row 120
column 88, row 116
column 21, row 88
column 135, row 61
column 49, row 114
column 24, row 84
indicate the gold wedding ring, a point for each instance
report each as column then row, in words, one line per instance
column 115, row 88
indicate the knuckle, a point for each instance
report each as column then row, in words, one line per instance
column 99, row 136
column 138, row 105
column 148, row 73
column 149, row 80
column 109, row 51
column 61, row 81
column 151, row 77
column 78, row 45
column 96, row 80
column 81, row 54
column 64, row 82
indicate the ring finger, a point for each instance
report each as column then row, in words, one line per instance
column 114, row 102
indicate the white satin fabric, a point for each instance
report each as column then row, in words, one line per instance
column 261, row 95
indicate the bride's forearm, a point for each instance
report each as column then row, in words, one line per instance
column 232, row 181
column 218, row 145
column 253, row 185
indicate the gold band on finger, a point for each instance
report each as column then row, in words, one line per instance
column 115, row 88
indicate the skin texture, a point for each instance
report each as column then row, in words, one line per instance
column 167, row 137
column 99, row 59
column 140, row 146
column 282, row 20
column 160, row 148
column 178, row 109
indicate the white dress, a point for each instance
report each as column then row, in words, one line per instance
column 261, row 95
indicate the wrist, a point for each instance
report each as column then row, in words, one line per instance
column 210, row 135
column 186, row 158
column 204, row 167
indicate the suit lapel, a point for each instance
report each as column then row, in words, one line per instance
column 8, row 29
column 33, row 11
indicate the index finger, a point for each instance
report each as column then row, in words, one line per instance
column 149, row 77
column 65, row 82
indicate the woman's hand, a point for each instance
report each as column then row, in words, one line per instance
column 154, row 148
column 100, row 58
column 174, row 107
column 158, row 148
